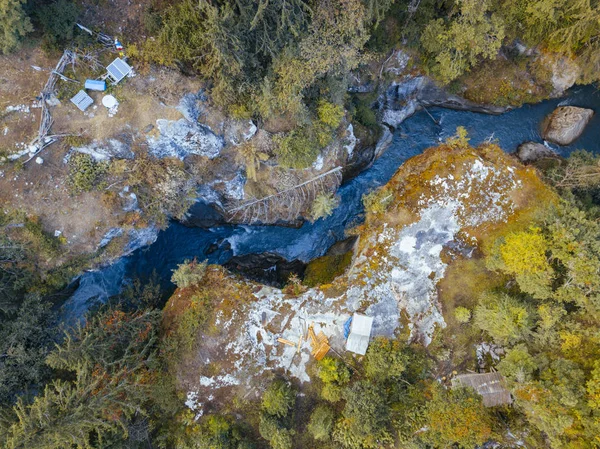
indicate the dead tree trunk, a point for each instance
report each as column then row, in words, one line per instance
column 287, row 203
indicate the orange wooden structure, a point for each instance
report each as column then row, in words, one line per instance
column 319, row 343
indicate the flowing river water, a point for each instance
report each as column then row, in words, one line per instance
column 178, row 243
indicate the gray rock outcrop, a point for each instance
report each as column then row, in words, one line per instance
column 529, row 152
column 106, row 150
column 182, row 138
column 566, row 124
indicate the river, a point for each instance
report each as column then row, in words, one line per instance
column 178, row 242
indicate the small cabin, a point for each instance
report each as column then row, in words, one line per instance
column 82, row 100
column 118, row 69
column 360, row 334
column 98, row 85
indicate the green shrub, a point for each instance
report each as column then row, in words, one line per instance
column 456, row 418
column 462, row 315
column 85, row 173
column 41, row 242
column 282, row 439
column 366, row 116
column 332, row 392
column 188, row 324
column 267, row 426
column 333, row 370
column 507, row 319
column 385, row 359
column 152, row 21
column 377, row 201
column 366, row 418
column 322, row 134
column 460, row 139
column 189, row 274
column 362, row 111
column 272, row 431
column 334, row 374
column 518, row 364
column 240, row 112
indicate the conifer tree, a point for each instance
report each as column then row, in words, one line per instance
column 14, row 24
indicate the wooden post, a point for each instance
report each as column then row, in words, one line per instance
column 286, row 342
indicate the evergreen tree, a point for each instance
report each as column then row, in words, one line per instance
column 456, row 417
column 14, row 24
column 107, row 362
column 25, row 340
column 323, row 205
column 366, row 418
column 321, row 422
column 58, row 21
column 457, row 44
column 278, row 399
column 504, row 317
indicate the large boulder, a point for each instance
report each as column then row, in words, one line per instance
column 566, row 124
column 529, row 152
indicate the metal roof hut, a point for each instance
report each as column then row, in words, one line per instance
column 491, row 387
column 360, row 333
column 118, row 69
column 82, row 100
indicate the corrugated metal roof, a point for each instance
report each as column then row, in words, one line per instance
column 491, row 387
column 95, row 85
column 118, row 69
column 360, row 333
column 82, row 100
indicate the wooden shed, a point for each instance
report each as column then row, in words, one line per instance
column 491, row 387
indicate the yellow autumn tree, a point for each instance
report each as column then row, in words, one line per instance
column 249, row 155
column 525, row 252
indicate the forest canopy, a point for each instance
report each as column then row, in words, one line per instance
column 532, row 287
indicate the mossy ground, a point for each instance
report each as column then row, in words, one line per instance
column 324, row 270
column 507, row 82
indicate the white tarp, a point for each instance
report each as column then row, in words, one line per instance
column 360, row 333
